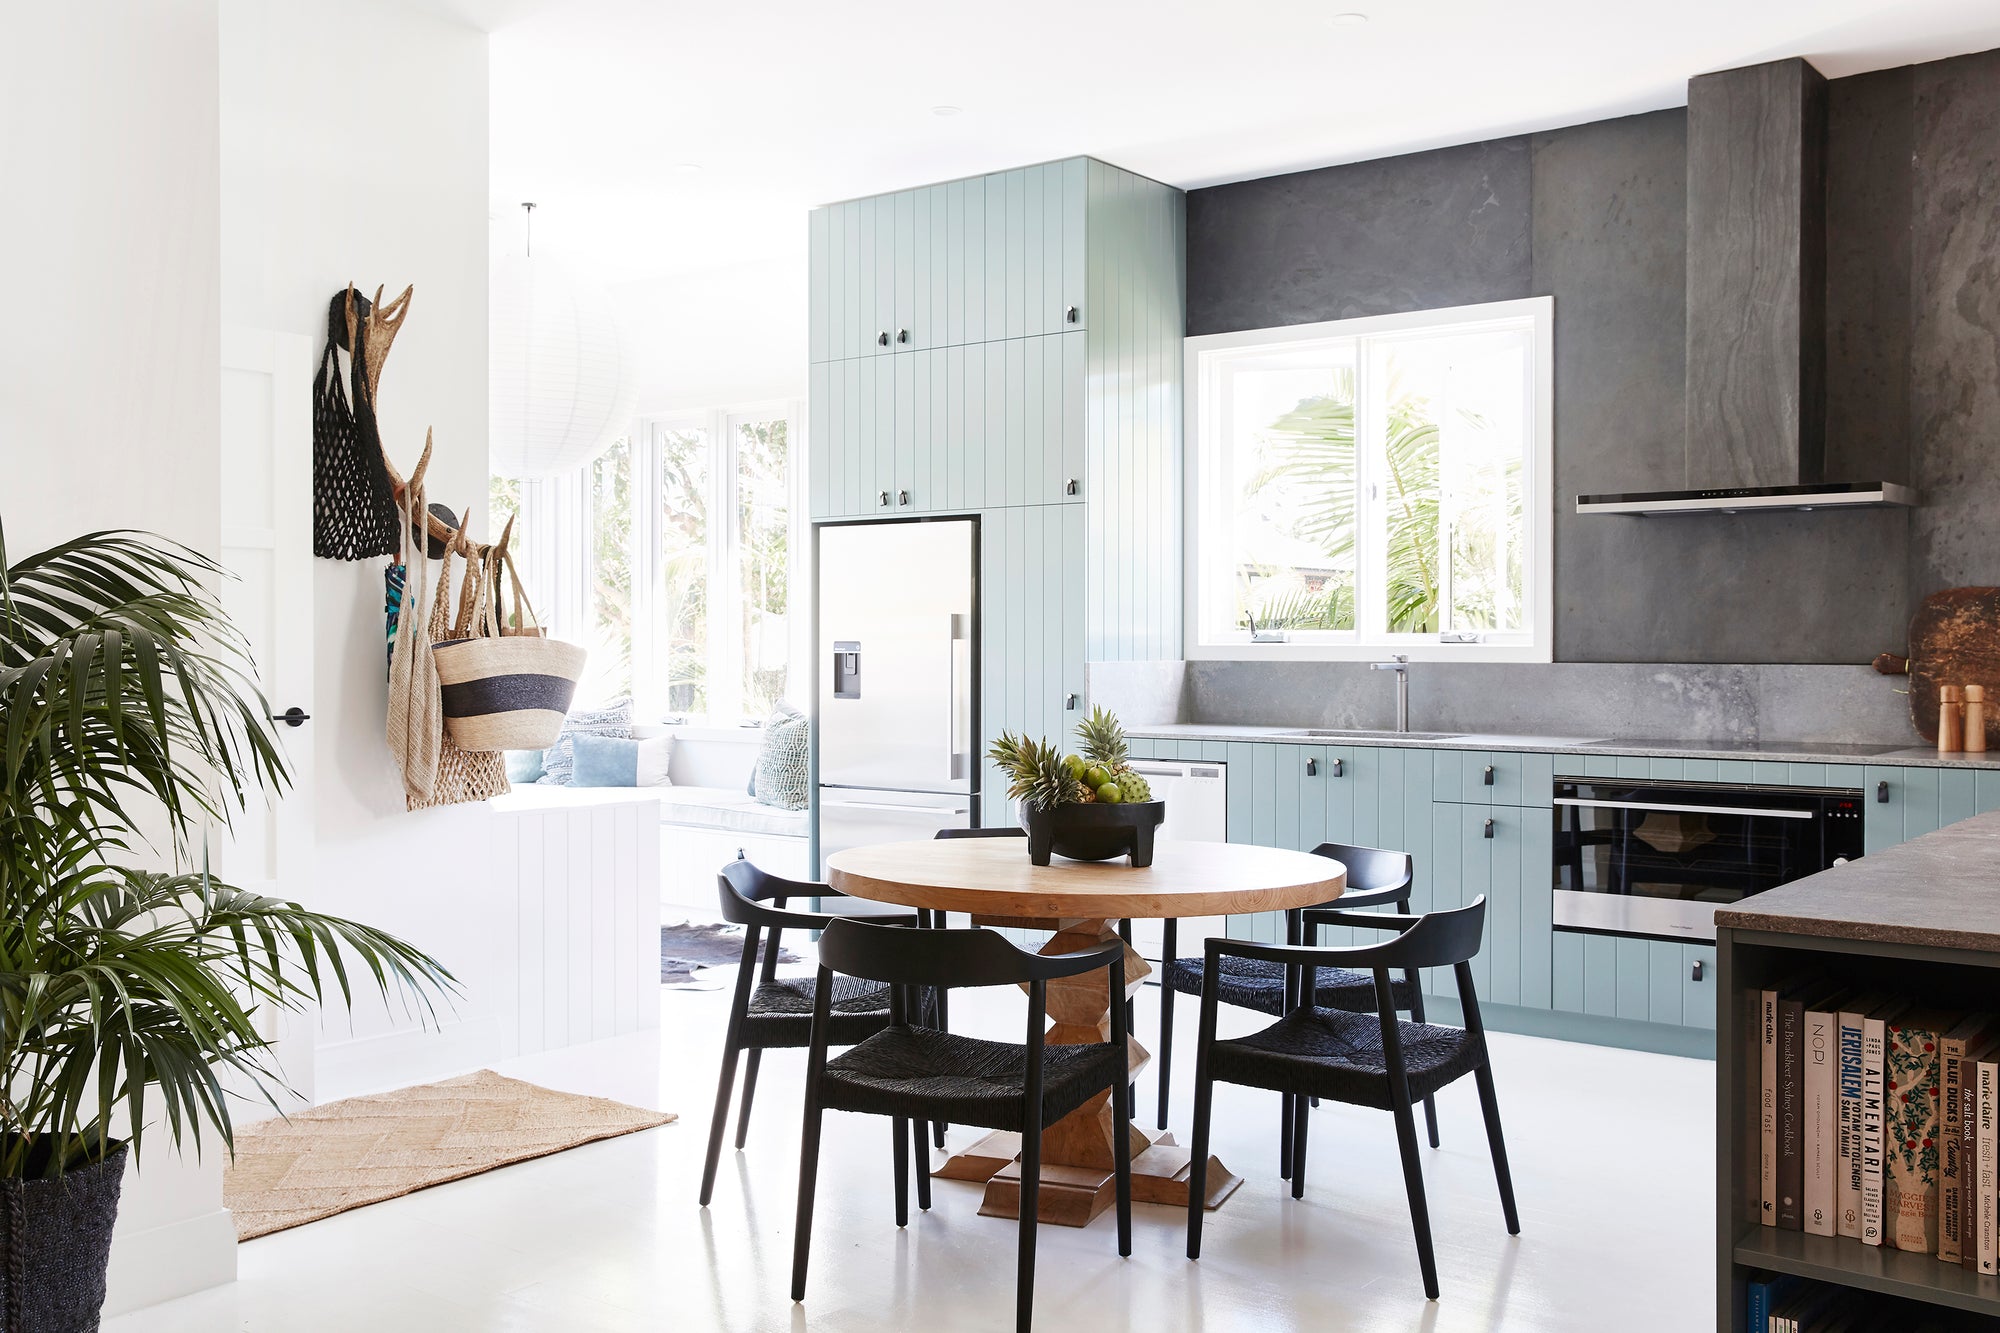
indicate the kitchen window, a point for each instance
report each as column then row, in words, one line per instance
column 671, row 559
column 1373, row 486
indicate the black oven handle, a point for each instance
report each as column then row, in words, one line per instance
column 1687, row 809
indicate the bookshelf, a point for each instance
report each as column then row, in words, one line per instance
column 1962, row 973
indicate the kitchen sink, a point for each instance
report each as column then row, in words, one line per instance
column 1319, row 733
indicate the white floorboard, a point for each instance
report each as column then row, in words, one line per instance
column 1613, row 1164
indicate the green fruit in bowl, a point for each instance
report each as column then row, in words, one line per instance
column 1110, row 794
column 1075, row 764
column 1096, row 776
column 1133, row 787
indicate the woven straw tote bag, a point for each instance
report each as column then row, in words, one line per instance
column 416, row 719
column 505, row 688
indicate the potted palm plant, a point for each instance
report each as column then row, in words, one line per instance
column 129, row 995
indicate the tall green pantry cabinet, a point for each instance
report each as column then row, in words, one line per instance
column 1010, row 346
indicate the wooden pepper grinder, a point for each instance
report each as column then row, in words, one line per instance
column 1951, row 719
column 1975, row 719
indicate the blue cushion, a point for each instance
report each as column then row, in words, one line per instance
column 523, row 766
column 605, row 761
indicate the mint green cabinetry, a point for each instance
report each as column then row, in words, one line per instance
column 1905, row 803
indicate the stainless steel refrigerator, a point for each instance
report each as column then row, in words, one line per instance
column 897, row 638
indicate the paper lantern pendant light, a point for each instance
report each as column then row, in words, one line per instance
column 560, row 385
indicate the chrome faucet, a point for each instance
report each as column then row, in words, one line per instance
column 1401, row 666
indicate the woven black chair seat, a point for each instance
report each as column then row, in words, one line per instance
column 1255, row 983
column 780, row 1012
column 925, row 1074
column 1338, row 1055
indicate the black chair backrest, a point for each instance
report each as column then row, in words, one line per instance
column 1000, row 832
column 742, row 889
column 1442, row 938
column 1374, row 874
column 902, row 956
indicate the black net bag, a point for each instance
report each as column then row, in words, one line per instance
column 354, row 509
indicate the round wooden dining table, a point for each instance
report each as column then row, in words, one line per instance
column 992, row 880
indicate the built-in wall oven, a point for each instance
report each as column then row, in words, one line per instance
column 1654, row 859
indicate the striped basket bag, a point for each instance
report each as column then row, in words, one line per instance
column 505, row 687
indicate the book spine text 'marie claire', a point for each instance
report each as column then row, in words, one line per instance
column 1767, row 1105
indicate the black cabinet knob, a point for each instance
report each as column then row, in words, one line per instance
column 882, row 338
column 1069, row 702
column 1069, row 487
column 1489, row 775
column 1312, row 768
column 884, row 497
column 1340, row 768
column 1695, row 975
column 902, row 497
column 902, row 335
column 1882, row 792
column 294, row 716
column 1069, row 314
column 1489, row 830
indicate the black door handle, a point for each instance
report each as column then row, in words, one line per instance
column 1340, row 768
column 1312, row 768
column 1695, row 975
column 902, row 335
column 882, row 339
column 294, row 716
column 1489, row 829
column 1882, row 792
column 1069, row 314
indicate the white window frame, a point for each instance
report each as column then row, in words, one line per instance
column 1206, row 489
column 724, row 655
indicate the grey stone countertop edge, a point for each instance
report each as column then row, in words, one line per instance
column 1946, row 894
column 1915, row 756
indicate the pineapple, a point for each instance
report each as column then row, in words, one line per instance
column 1103, row 741
column 1036, row 773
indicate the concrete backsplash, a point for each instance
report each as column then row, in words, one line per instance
column 1637, row 701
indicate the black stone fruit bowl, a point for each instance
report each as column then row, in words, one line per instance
column 1094, row 831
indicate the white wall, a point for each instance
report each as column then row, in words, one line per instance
column 354, row 148
column 718, row 338
column 110, row 393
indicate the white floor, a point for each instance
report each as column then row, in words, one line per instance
column 1613, row 1163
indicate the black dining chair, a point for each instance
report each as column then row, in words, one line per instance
column 767, row 1011
column 915, row 1074
column 936, row 919
column 1363, row 1059
column 1375, row 878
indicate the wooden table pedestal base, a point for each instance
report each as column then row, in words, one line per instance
column 1077, row 1179
column 1074, row 1195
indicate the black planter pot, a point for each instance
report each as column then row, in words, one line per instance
column 1094, row 832
column 55, row 1245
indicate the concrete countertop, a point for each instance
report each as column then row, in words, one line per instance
column 1797, row 752
column 1941, row 890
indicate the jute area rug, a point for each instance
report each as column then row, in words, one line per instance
column 328, row 1159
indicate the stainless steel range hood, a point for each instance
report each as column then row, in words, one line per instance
column 1732, row 499
column 1756, row 297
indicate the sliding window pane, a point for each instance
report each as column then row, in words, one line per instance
column 1457, row 413
column 763, row 528
column 681, row 590
column 608, row 668
column 1291, row 459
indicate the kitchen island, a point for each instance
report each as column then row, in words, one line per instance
column 1920, row 920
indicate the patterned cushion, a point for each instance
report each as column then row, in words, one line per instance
column 783, row 763
column 559, row 760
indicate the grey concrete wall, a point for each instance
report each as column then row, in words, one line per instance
column 1596, row 216
column 1583, row 700
column 1448, row 227
column 1955, row 335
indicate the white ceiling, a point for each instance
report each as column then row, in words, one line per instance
column 679, row 137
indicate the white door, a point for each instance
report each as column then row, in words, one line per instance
column 267, row 548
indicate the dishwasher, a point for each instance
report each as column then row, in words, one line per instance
column 1197, row 795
